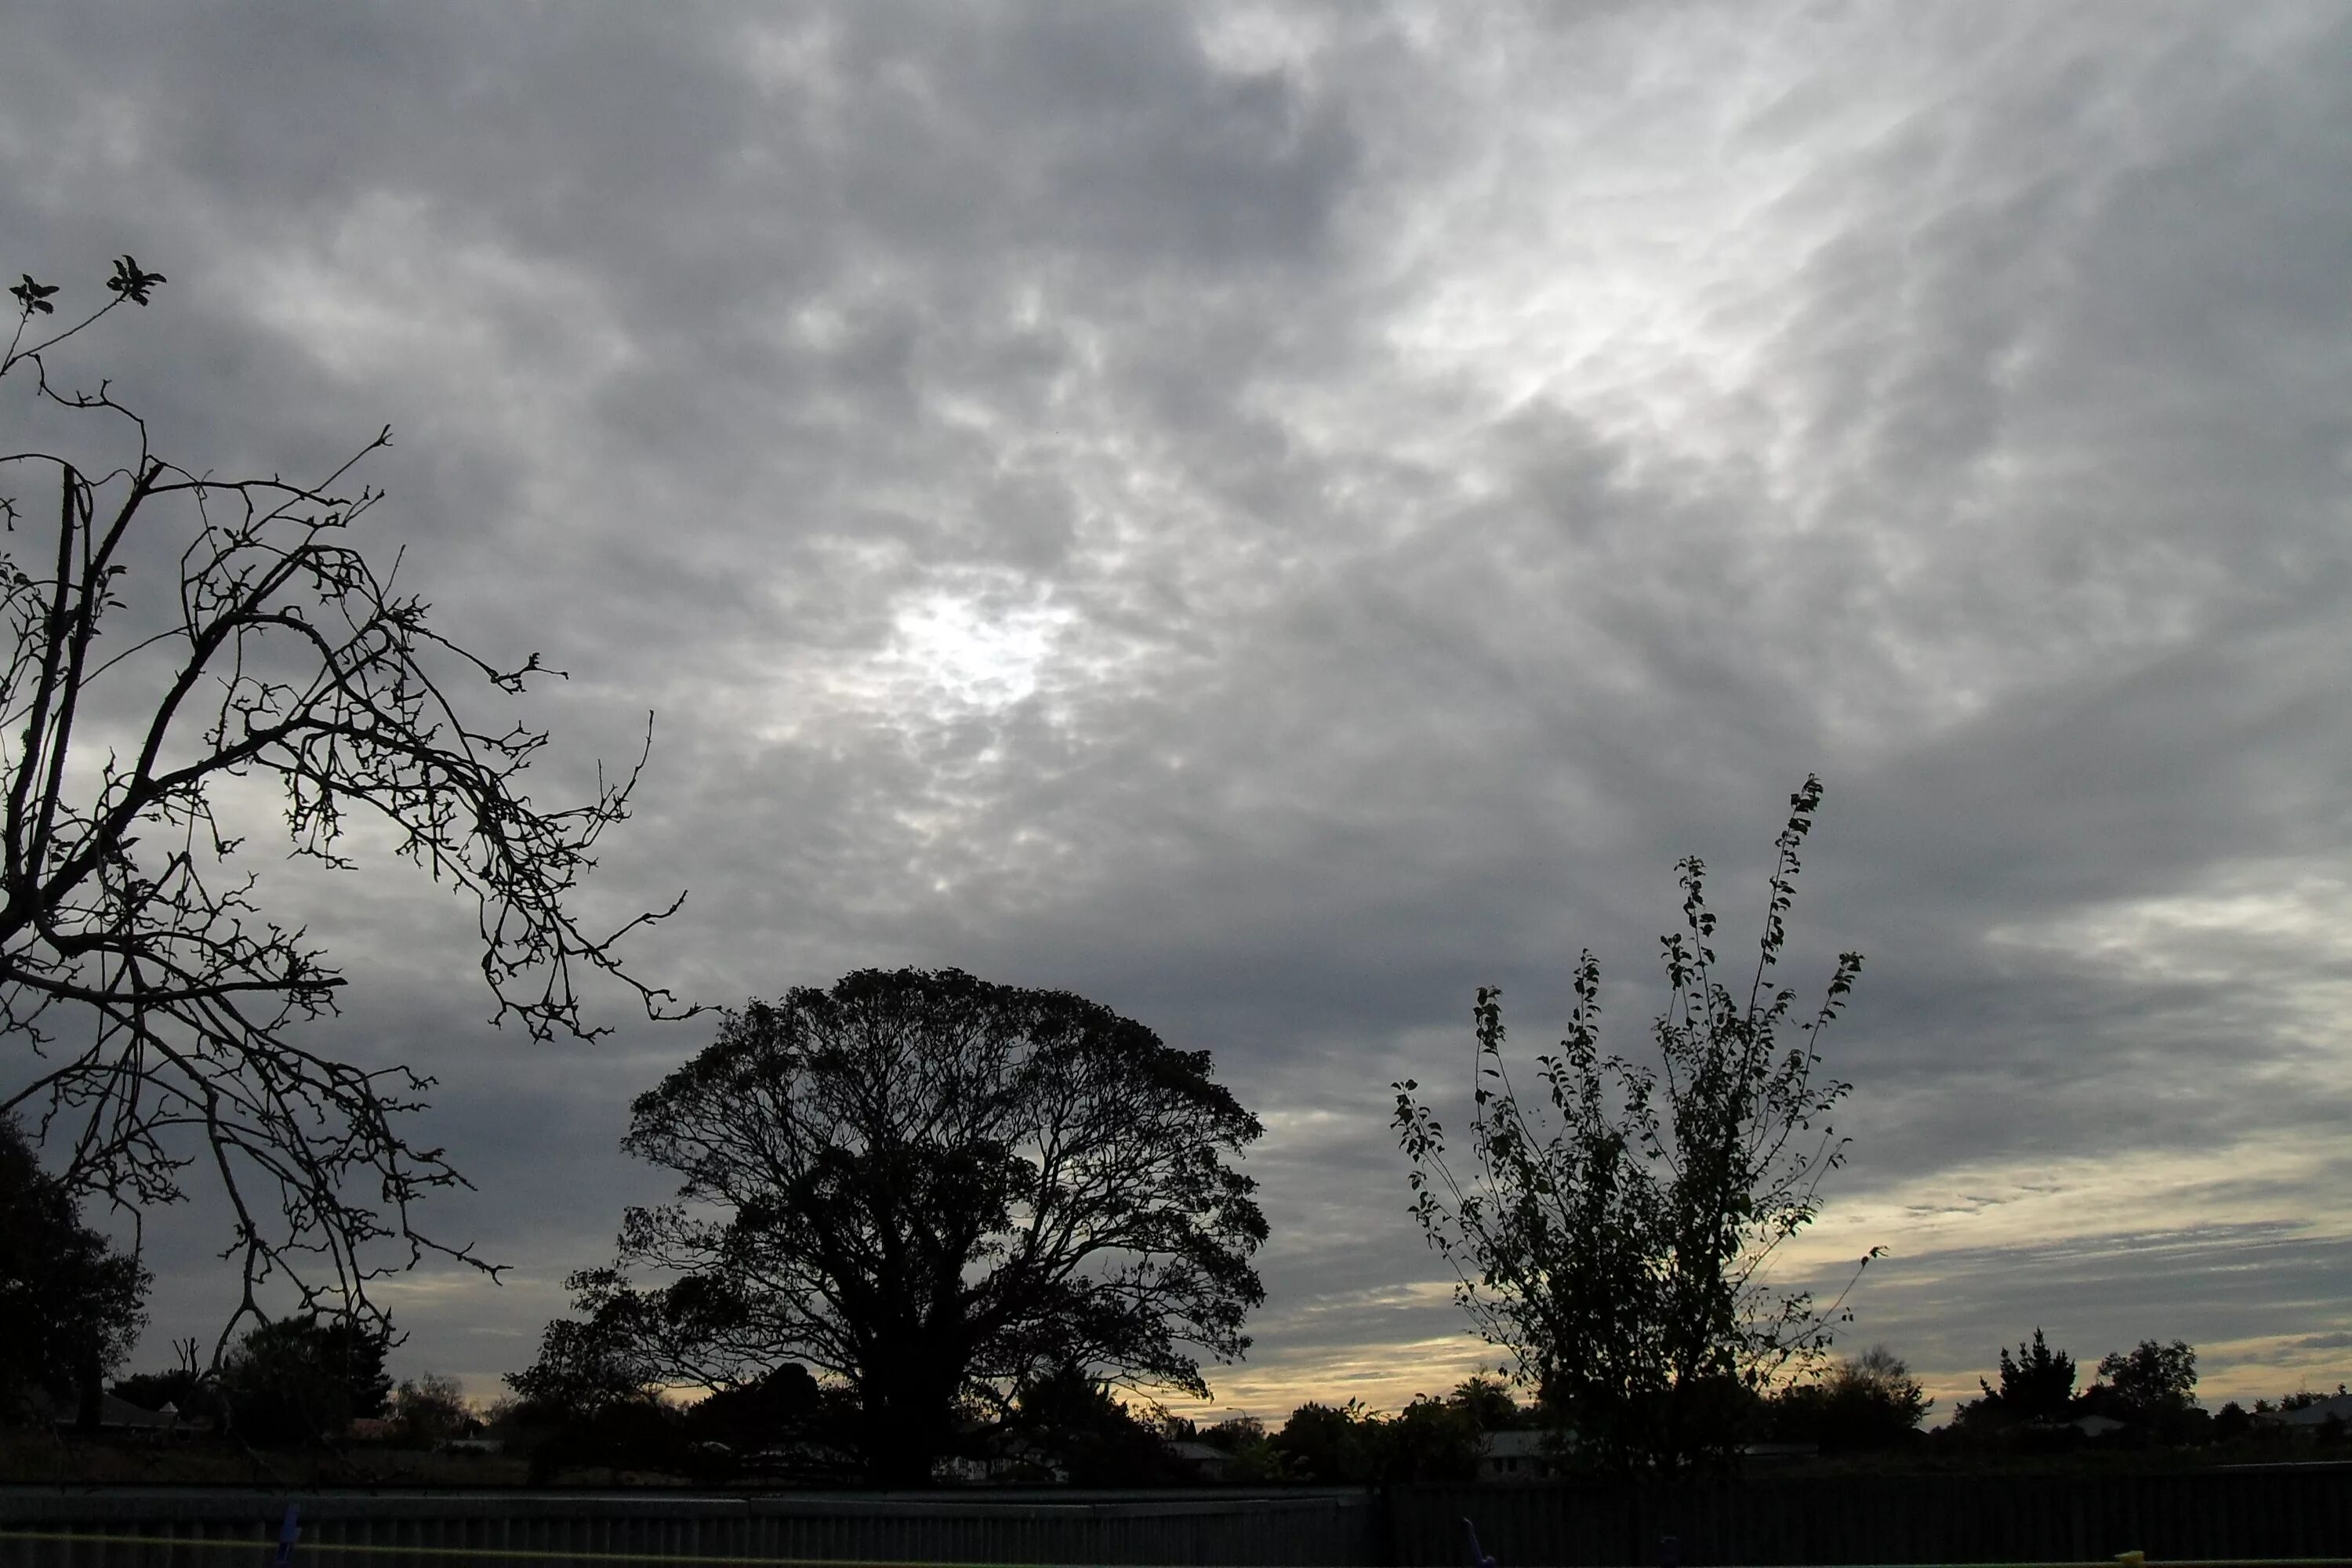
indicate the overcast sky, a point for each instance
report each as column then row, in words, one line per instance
column 1272, row 517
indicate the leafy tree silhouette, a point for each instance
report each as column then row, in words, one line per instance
column 70, row 1306
column 1614, row 1234
column 2036, row 1384
column 938, row 1191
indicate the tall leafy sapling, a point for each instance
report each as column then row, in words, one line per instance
column 1613, row 1234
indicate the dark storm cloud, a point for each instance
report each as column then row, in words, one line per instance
column 1272, row 519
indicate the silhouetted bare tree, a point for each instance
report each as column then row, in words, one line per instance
column 154, row 1010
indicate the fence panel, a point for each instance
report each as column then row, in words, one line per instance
column 1303, row 1527
column 2273, row 1512
column 2287, row 1511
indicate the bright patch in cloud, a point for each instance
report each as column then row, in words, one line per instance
column 966, row 654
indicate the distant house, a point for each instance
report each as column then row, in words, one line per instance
column 119, row 1416
column 1013, row 1463
column 2319, row 1412
column 1514, row 1456
column 1779, row 1453
column 1202, row 1461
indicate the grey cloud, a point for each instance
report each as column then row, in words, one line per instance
column 718, row 347
column 2205, row 1286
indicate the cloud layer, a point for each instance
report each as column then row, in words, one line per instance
column 1272, row 517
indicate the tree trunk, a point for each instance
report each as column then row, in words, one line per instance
column 911, row 1419
column 89, row 1388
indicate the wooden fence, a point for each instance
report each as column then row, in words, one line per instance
column 2302, row 1512
column 223, row 1529
column 2270, row 1511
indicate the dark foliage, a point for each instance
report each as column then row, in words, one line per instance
column 2150, row 1389
column 186, row 1390
column 429, row 1410
column 784, row 1407
column 1486, row 1403
column 1073, row 1423
column 611, row 1357
column 781, row 1427
column 70, row 1306
column 2301, row 1399
column 2036, row 1384
column 1251, row 1449
column 1327, row 1443
column 1428, row 1440
column 1865, row 1404
column 936, row 1191
column 1345, row 1445
column 641, row 1435
column 191, row 1389
column 299, row 1381
column 173, row 631
column 2151, row 1383
column 1616, row 1247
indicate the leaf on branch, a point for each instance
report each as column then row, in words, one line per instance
column 129, row 282
column 35, row 296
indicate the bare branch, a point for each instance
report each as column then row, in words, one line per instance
column 164, row 1021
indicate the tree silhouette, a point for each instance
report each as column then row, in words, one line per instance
column 1617, row 1246
column 178, row 636
column 70, row 1306
column 1864, row 1403
column 295, row 1382
column 939, row 1192
column 2038, row 1384
column 2151, row 1385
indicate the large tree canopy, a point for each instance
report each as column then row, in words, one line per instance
column 938, row 1191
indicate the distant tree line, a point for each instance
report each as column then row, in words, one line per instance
column 2144, row 1396
column 927, row 1226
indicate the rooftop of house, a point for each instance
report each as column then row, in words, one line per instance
column 2317, row 1413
